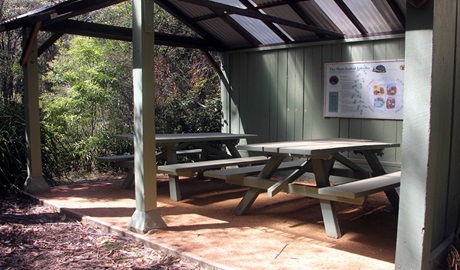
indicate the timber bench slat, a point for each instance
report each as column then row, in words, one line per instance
column 187, row 169
column 234, row 173
column 188, row 152
column 127, row 161
column 364, row 187
column 116, row 158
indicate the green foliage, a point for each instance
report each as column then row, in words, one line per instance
column 11, row 76
column 85, row 103
column 87, row 95
column 177, row 115
column 13, row 171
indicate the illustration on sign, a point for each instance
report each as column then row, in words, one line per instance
column 364, row 89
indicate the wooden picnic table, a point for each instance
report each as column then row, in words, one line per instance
column 320, row 156
column 180, row 141
column 174, row 143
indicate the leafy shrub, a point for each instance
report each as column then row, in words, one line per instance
column 13, row 171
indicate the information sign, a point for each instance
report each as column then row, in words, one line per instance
column 371, row 89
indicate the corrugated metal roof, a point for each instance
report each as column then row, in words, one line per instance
column 223, row 32
column 193, row 11
column 258, row 29
column 338, row 17
column 237, row 24
column 368, row 15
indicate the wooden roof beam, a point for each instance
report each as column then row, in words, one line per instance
column 236, row 26
column 181, row 16
column 272, row 27
column 66, row 10
column 50, row 41
column 31, row 39
column 351, row 17
column 297, row 9
column 397, row 11
column 263, row 17
column 125, row 34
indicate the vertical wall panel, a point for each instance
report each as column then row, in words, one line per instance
column 225, row 94
column 310, row 93
column 282, row 95
column 270, row 64
column 454, row 184
column 234, row 121
column 258, row 98
column 361, row 52
column 299, row 95
column 295, row 94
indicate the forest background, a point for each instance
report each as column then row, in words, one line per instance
column 86, row 94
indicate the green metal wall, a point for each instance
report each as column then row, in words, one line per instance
column 278, row 94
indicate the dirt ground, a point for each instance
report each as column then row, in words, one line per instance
column 36, row 237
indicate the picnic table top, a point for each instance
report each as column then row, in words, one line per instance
column 186, row 137
column 317, row 146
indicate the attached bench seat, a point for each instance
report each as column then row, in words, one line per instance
column 116, row 158
column 123, row 158
column 364, row 187
column 127, row 161
column 122, row 161
column 237, row 173
column 189, row 169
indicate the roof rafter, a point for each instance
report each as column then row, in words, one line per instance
column 31, row 38
column 272, row 27
column 397, row 11
column 50, row 41
column 297, row 9
column 53, row 13
column 242, row 24
column 125, row 34
column 351, row 17
column 236, row 26
column 262, row 17
column 189, row 22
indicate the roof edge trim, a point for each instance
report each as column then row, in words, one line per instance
column 317, row 43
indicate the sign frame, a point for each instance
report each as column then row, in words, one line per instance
column 364, row 89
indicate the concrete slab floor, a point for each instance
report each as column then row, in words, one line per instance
column 283, row 232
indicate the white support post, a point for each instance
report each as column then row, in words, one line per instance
column 429, row 90
column 35, row 181
column 146, row 216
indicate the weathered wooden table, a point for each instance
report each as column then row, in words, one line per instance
column 174, row 143
column 320, row 158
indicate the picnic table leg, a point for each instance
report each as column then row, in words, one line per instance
column 248, row 199
column 252, row 194
column 174, row 188
column 280, row 185
column 331, row 223
column 129, row 180
column 231, row 146
column 321, row 169
column 377, row 169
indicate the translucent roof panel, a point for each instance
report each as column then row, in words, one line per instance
column 220, row 23
column 226, row 34
column 191, row 10
column 338, row 17
column 368, row 15
column 402, row 5
column 283, row 11
column 234, row 3
column 317, row 14
column 258, row 29
column 299, row 34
